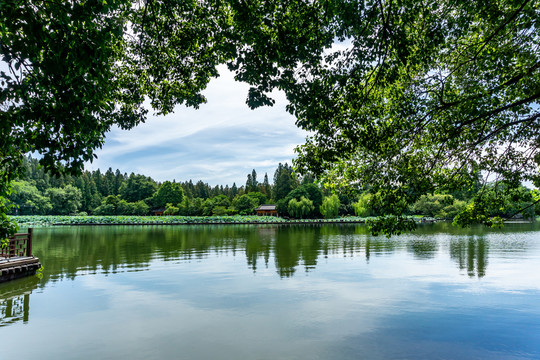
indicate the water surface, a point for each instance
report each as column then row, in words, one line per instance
column 277, row 292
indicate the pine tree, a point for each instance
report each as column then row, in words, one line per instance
column 284, row 181
column 202, row 190
column 118, row 180
column 248, row 182
column 265, row 188
column 98, row 180
column 234, row 190
column 254, row 182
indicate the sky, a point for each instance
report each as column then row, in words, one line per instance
column 219, row 143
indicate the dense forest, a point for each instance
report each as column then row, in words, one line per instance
column 116, row 193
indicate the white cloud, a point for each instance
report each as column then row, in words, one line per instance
column 220, row 143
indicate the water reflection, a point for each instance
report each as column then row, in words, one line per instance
column 72, row 251
column 470, row 254
column 322, row 289
column 15, row 301
column 423, row 249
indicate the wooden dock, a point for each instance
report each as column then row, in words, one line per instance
column 17, row 261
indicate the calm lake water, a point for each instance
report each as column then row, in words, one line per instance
column 276, row 292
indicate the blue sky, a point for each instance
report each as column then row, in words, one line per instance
column 220, row 143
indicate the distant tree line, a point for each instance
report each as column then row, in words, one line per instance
column 114, row 192
column 117, row 193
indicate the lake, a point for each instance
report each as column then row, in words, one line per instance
column 276, row 292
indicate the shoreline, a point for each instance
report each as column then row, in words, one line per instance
column 65, row 220
column 90, row 220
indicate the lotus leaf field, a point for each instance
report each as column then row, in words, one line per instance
column 165, row 220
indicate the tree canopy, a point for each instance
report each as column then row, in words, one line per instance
column 401, row 97
column 416, row 97
column 425, row 96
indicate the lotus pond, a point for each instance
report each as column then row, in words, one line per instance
column 166, row 220
column 276, row 291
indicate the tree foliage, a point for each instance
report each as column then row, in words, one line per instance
column 28, row 199
column 64, row 201
column 412, row 98
column 217, row 201
column 74, row 69
column 114, row 205
column 496, row 202
column 284, row 182
column 245, row 204
column 168, row 193
column 424, row 96
column 171, row 209
column 137, row 187
column 438, row 206
column 259, row 197
column 309, row 191
column 363, row 206
column 251, row 183
column 330, row 207
column 300, row 208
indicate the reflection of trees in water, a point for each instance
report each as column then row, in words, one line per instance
column 66, row 252
column 259, row 244
column 286, row 254
column 295, row 245
column 470, row 254
column 378, row 246
column 15, row 300
column 71, row 251
column 423, row 248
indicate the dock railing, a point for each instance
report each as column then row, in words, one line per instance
column 20, row 245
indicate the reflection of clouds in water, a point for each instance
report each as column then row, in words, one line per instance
column 303, row 317
column 499, row 261
column 217, row 292
column 292, row 251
